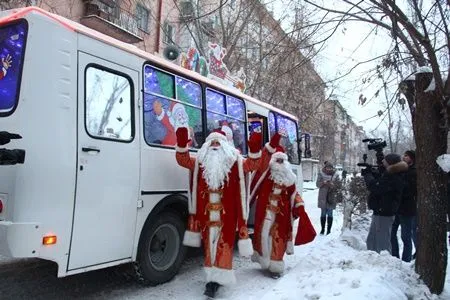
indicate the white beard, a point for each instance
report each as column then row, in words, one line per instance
column 217, row 163
column 282, row 173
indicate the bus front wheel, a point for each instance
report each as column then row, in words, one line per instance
column 161, row 251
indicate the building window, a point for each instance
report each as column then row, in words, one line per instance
column 142, row 17
column 169, row 32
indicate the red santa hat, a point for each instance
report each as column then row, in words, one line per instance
column 217, row 134
column 279, row 153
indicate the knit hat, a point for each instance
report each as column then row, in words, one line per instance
column 328, row 165
column 411, row 154
column 392, row 158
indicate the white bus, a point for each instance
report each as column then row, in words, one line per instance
column 100, row 185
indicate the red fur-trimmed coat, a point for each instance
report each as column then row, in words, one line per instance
column 288, row 203
column 276, row 207
column 229, row 204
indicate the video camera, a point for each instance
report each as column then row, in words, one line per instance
column 378, row 145
column 10, row 156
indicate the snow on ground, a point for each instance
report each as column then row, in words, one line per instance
column 327, row 268
column 336, row 266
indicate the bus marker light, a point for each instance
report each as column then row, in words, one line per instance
column 49, row 240
column 1, row 206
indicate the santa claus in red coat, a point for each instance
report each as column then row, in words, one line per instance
column 277, row 205
column 218, row 203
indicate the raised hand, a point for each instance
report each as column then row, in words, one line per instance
column 275, row 140
column 254, row 142
column 182, row 137
column 7, row 62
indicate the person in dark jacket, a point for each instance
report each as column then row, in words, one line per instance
column 326, row 200
column 406, row 215
column 384, row 199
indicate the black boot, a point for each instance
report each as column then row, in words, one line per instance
column 322, row 223
column 211, row 289
column 329, row 224
column 275, row 275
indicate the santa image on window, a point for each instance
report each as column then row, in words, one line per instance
column 6, row 64
column 172, row 118
column 218, row 208
column 180, row 118
column 277, row 205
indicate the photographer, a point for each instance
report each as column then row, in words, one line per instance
column 384, row 199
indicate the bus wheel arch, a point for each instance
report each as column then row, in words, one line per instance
column 160, row 250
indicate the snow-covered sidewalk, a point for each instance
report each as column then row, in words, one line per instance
column 327, row 268
column 331, row 267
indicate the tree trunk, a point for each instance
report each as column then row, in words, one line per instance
column 431, row 141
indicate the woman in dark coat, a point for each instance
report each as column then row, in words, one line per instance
column 326, row 200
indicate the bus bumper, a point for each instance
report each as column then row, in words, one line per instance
column 19, row 239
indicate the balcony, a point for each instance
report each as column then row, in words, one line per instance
column 106, row 17
column 187, row 11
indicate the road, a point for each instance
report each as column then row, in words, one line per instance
column 36, row 279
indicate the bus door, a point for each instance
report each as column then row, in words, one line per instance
column 108, row 163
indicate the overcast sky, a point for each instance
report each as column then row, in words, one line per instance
column 342, row 52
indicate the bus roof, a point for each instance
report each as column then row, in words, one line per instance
column 77, row 27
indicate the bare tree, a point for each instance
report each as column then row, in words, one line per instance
column 420, row 38
column 277, row 64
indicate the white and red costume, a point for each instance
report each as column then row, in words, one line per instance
column 277, row 205
column 216, row 212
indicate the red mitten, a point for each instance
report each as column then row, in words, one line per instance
column 254, row 142
column 182, row 137
column 305, row 231
column 275, row 140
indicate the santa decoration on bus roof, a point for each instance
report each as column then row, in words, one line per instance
column 192, row 60
column 213, row 67
column 216, row 55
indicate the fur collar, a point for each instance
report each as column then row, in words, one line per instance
column 397, row 168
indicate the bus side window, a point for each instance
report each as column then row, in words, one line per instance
column 288, row 130
column 228, row 114
column 108, row 104
column 162, row 115
column 258, row 123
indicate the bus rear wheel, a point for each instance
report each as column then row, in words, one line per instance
column 161, row 251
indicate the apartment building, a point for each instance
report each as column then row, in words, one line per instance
column 150, row 25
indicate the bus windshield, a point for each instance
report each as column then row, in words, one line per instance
column 288, row 130
column 12, row 50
